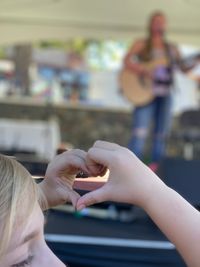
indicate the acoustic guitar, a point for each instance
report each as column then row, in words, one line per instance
column 139, row 89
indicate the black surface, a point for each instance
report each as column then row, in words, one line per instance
column 72, row 224
column 103, row 256
column 183, row 176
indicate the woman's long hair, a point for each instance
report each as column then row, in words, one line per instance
column 147, row 51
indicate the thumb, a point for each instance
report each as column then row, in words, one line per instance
column 91, row 198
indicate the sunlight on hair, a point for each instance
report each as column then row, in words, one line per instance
column 18, row 197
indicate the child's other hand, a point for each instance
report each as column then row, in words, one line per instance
column 60, row 175
column 129, row 181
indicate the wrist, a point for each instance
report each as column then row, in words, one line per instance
column 155, row 192
column 146, row 187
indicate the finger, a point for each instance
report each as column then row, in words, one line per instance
column 69, row 161
column 70, row 156
column 77, row 152
column 106, row 145
column 94, row 168
column 91, row 198
column 75, row 165
column 100, row 156
column 74, row 196
column 103, row 171
column 64, row 158
column 100, row 170
column 81, row 161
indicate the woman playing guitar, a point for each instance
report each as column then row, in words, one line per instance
column 153, row 61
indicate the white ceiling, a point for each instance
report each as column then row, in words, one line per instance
column 31, row 20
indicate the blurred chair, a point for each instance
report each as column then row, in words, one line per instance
column 188, row 134
column 183, row 176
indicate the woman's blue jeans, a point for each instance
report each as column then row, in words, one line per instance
column 157, row 112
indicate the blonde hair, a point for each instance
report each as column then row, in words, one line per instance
column 18, row 197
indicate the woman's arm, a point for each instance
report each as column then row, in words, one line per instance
column 185, row 65
column 131, row 60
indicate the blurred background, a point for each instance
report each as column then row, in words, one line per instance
column 60, row 62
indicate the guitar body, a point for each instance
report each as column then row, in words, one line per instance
column 136, row 89
column 139, row 90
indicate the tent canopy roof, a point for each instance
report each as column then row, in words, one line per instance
column 32, row 20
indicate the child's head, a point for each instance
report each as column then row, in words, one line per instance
column 21, row 219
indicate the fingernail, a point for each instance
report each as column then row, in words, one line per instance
column 81, row 207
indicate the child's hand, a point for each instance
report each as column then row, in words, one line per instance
column 130, row 181
column 60, row 176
